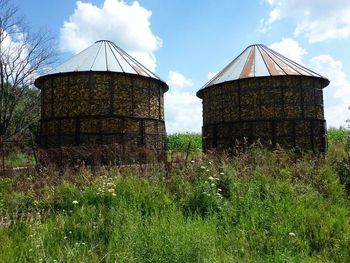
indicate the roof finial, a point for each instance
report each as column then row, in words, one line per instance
column 103, row 40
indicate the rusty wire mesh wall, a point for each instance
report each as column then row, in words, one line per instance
column 287, row 111
column 81, row 112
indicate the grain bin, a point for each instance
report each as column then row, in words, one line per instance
column 264, row 96
column 102, row 105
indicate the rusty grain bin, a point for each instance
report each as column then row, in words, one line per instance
column 262, row 95
column 103, row 103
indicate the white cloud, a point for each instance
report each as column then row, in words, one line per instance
column 337, row 94
column 289, row 48
column 317, row 20
column 177, row 80
column 15, row 53
column 183, row 110
column 127, row 25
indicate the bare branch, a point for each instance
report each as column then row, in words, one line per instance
column 23, row 55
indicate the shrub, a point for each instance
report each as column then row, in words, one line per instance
column 258, row 206
column 337, row 136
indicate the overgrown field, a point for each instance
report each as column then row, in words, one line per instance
column 260, row 206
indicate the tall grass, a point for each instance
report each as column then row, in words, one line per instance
column 183, row 142
column 19, row 158
column 190, row 143
column 260, row 206
column 338, row 136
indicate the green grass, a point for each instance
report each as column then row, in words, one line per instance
column 256, row 207
column 183, row 142
column 179, row 142
column 184, row 145
column 19, row 159
column 338, row 136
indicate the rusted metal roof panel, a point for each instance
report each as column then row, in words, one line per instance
column 260, row 61
column 248, row 70
column 104, row 55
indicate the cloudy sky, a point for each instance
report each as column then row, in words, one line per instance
column 187, row 42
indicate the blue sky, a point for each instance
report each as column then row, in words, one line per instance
column 185, row 41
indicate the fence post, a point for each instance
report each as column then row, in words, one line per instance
column 2, row 156
column 188, row 150
column 37, row 168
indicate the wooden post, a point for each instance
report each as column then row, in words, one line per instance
column 2, row 156
column 188, row 150
column 37, row 168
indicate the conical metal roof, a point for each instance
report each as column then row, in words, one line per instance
column 104, row 55
column 260, row 61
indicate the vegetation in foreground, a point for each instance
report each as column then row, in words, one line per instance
column 260, row 206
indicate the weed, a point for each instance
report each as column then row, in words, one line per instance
column 258, row 206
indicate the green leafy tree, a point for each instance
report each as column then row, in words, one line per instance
column 28, row 103
column 24, row 54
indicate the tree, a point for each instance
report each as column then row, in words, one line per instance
column 24, row 55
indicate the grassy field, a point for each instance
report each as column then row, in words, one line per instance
column 260, row 206
column 181, row 146
column 183, row 142
column 338, row 136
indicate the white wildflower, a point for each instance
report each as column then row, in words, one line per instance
column 219, row 189
column 114, row 194
column 211, row 178
column 292, row 234
column 75, row 202
column 222, row 173
column 208, row 170
column 111, row 190
column 203, row 167
column 212, row 184
column 192, row 161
